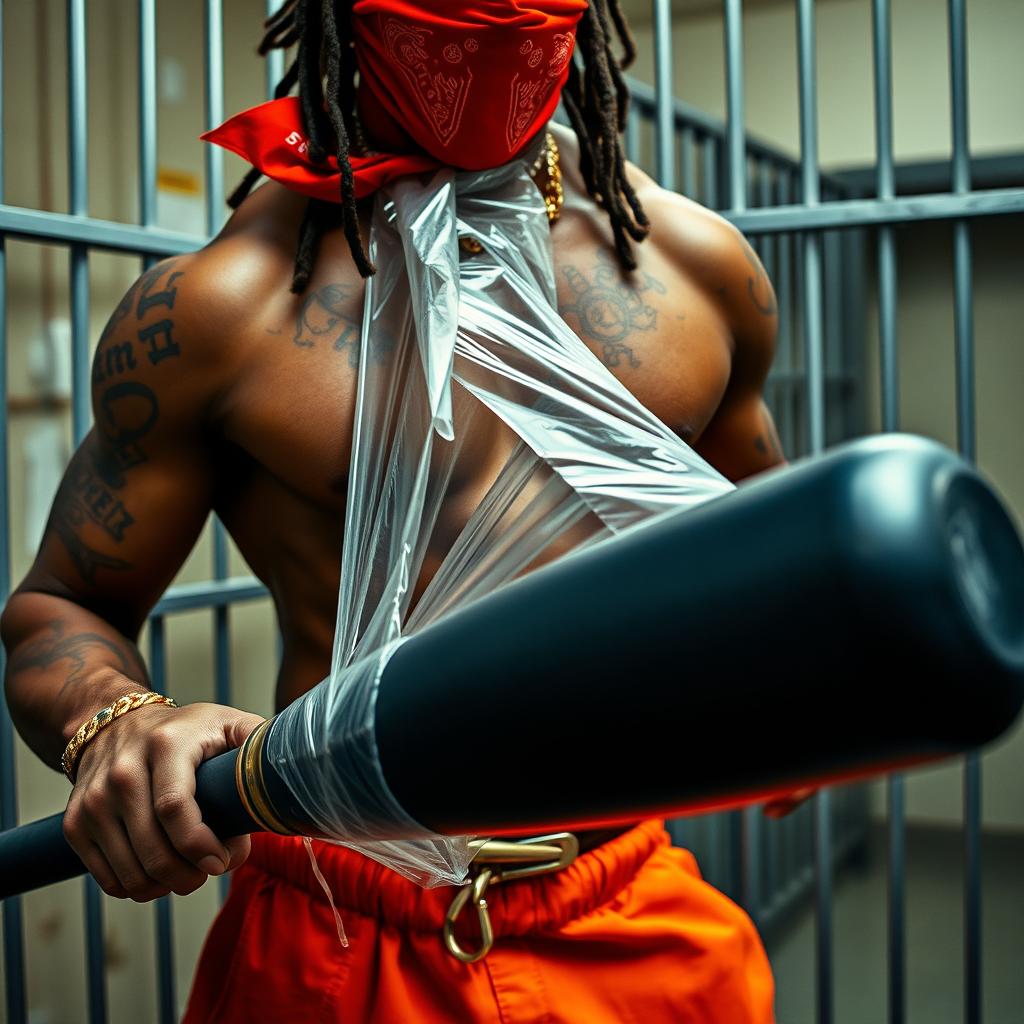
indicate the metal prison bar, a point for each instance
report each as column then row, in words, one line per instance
column 794, row 214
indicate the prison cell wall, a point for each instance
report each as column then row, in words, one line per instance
column 36, row 176
column 921, row 112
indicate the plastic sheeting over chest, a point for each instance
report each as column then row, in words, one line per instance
column 445, row 334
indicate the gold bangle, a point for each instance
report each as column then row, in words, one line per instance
column 251, row 786
column 87, row 733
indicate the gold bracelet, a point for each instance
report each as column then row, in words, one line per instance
column 87, row 733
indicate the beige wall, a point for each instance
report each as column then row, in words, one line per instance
column 845, row 70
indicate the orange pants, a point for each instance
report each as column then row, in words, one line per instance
column 628, row 933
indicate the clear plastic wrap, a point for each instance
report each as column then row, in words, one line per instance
column 462, row 332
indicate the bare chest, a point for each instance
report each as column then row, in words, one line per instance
column 293, row 404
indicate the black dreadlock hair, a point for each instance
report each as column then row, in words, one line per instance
column 595, row 97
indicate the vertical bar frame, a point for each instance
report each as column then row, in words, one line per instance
column 147, row 112
column 166, row 997
column 274, row 66
column 963, row 290
column 709, row 173
column 735, row 127
column 13, row 926
column 881, row 23
column 687, row 162
column 814, row 369
column 811, row 195
column 664, row 135
column 78, row 205
column 631, row 138
column 213, row 110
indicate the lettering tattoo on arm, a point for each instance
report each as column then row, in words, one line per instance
column 126, row 410
column 77, row 649
column 156, row 289
column 610, row 310
column 87, row 560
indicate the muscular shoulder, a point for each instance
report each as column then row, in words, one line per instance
column 178, row 330
column 721, row 262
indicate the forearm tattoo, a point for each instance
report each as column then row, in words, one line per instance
column 80, row 652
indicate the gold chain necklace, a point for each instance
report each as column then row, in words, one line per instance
column 548, row 159
column 554, row 194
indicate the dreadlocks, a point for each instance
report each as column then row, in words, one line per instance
column 595, row 97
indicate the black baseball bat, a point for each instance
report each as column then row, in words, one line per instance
column 851, row 613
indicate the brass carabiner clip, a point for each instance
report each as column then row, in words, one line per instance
column 477, row 890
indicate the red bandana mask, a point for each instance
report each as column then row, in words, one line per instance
column 470, row 82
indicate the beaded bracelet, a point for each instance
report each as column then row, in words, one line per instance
column 87, row 733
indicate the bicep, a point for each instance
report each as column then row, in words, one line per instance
column 741, row 439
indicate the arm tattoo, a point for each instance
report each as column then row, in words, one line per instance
column 156, row 289
column 610, row 311
column 126, row 410
column 87, row 560
column 758, row 286
column 77, row 649
column 125, row 413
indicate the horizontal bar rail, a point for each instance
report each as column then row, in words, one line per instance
column 209, row 594
column 861, row 213
column 47, row 226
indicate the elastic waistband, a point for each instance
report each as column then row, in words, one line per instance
column 363, row 886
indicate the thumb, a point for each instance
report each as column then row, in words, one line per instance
column 237, row 730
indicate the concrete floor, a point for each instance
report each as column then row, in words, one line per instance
column 934, row 979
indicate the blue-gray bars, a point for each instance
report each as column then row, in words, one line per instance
column 787, row 205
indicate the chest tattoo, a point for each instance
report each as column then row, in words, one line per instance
column 322, row 319
column 609, row 311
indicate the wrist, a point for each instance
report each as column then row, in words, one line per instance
column 98, row 690
column 104, row 719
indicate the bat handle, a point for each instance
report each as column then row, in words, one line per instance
column 37, row 854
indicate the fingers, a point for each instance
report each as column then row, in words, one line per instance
column 237, row 732
column 173, row 766
column 131, row 875
column 158, row 858
column 238, row 851
column 133, row 818
column 99, row 867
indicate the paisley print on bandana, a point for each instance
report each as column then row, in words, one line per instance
column 440, row 93
column 531, row 88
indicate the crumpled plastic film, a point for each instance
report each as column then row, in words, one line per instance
column 448, row 334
